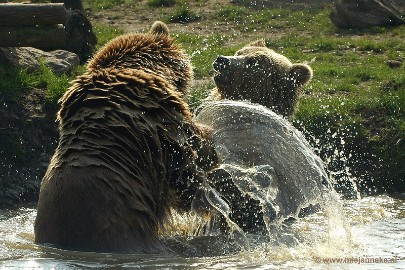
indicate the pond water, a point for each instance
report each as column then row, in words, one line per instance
column 371, row 236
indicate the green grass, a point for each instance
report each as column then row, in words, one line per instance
column 204, row 50
column 233, row 13
column 361, row 100
column 184, row 14
column 277, row 18
column 105, row 33
column 14, row 82
column 14, row 85
column 55, row 85
column 104, row 4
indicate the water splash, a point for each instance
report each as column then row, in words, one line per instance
column 377, row 226
column 209, row 200
column 270, row 161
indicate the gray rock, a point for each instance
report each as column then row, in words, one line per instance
column 394, row 63
column 366, row 13
column 28, row 58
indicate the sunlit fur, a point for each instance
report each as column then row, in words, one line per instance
column 260, row 75
column 126, row 151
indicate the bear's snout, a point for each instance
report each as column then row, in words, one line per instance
column 221, row 62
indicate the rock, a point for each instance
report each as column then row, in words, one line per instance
column 394, row 63
column 30, row 59
column 366, row 13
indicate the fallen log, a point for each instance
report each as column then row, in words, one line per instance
column 46, row 37
column 32, row 14
column 47, row 27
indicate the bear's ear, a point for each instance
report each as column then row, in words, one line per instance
column 301, row 73
column 159, row 28
column 258, row 43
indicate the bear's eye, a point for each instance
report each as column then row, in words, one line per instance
column 252, row 63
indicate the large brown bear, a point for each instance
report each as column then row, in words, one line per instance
column 260, row 75
column 128, row 150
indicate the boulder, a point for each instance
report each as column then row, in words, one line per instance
column 30, row 59
column 366, row 13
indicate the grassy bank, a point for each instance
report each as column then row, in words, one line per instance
column 352, row 111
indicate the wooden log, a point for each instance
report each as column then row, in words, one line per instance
column 45, row 37
column 32, row 14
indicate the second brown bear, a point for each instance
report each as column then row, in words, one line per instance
column 260, row 75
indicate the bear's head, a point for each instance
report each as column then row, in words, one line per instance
column 155, row 53
column 260, row 75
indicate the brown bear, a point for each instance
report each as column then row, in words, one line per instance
column 260, row 75
column 127, row 152
column 267, row 170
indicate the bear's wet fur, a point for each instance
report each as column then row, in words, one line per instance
column 128, row 151
column 260, row 75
